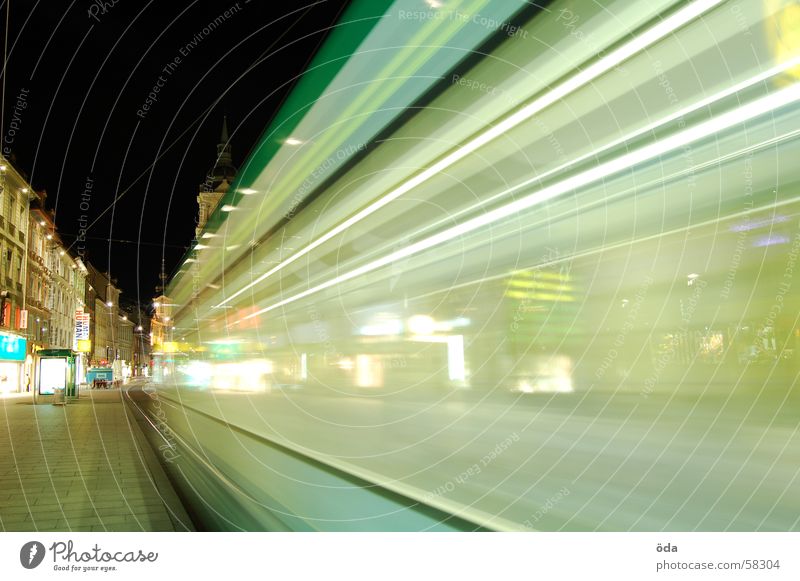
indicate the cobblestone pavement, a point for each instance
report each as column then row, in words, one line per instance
column 80, row 467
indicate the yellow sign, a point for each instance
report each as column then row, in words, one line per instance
column 84, row 345
column 783, row 33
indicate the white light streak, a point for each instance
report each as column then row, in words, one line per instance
column 734, row 117
column 574, row 82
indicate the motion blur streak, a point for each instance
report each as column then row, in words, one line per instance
column 575, row 82
column 641, row 131
column 740, row 115
column 559, row 295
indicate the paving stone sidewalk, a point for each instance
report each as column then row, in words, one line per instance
column 80, row 467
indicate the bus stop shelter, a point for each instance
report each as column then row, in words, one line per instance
column 56, row 376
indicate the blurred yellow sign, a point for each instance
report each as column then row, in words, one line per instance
column 783, row 32
column 84, row 345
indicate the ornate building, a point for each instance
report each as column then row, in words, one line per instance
column 217, row 181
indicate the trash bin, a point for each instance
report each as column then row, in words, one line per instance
column 58, row 396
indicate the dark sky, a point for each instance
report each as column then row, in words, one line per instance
column 85, row 68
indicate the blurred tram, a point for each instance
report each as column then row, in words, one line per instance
column 491, row 254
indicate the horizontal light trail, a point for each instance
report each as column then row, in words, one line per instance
column 756, row 108
column 683, row 173
column 574, row 82
column 688, row 110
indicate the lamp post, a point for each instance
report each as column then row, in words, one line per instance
column 139, row 347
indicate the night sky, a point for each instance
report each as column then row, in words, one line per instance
column 79, row 76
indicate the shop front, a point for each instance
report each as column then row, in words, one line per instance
column 13, row 350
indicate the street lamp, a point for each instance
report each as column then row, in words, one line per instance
column 140, row 349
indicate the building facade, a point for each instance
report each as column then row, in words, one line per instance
column 51, row 299
column 66, row 296
column 161, row 336
column 16, row 363
column 217, row 182
column 38, row 274
column 140, row 336
column 124, row 349
column 105, row 308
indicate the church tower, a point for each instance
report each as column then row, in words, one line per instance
column 217, row 181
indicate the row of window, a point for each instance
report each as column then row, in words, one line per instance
column 13, row 210
column 12, row 263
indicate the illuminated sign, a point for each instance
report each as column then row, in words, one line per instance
column 81, row 326
column 12, row 347
column 783, row 33
column 52, row 375
column 84, row 346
